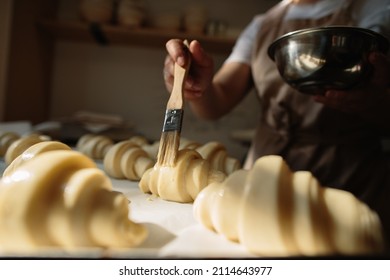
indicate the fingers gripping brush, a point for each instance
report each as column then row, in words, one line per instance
column 170, row 137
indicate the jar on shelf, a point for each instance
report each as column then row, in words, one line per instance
column 195, row 18
column 97, row 11
column 131, row 13
column 167, row 21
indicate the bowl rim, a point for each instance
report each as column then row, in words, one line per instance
column 383, row 41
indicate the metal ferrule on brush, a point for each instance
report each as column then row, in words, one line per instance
column 173, row 120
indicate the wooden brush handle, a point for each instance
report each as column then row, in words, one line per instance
column 180, row 73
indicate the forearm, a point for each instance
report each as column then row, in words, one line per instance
column 212, row 104
column 228, row 87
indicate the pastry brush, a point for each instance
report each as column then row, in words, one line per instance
column 170, row 136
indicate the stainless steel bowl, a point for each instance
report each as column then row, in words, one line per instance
column 317, row 59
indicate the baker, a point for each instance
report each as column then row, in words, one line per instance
column 337, row 136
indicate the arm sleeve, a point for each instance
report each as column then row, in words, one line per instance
column 370, row 14
column 374, row 15
column 242, row 50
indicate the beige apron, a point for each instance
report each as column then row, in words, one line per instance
column 341, row 150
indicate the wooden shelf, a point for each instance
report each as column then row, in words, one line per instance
column 118, row 35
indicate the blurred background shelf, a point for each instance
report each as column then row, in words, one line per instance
column 56, row 63
column 106, row 34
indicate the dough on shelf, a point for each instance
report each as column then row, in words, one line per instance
column 61, row 199
column 182, row 182
column 127, row 160
column 273, row 211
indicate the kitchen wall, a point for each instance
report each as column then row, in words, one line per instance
column 5, row 19
column 127, row 80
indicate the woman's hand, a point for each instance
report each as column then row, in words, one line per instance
column 210, row 95
column 201, row 70
column 371, row 100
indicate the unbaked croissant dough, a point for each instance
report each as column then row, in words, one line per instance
column 127, row 160
column 182, row 182
column 60, row 198
column 212, row 151
column 20, row 145
column 139, row 140
column 218, row 157
column 275, row 212
column 215, row 152
column 94, row 146
column 150, row 149
column 32, row 152
column 188, row 144
column 6, row 139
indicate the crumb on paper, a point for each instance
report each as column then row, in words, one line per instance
column 152, row 197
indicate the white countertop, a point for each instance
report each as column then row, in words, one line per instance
column 173, row 231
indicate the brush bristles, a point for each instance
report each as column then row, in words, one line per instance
column 169, row 146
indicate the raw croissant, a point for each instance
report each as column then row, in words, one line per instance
column 32, row 152
column 127, row 160
column 20, row 145
column 6, row 139
column 94, row 146
column 213, row 151
column 150, row 149
column 182, row 182
column 60, row 198
column 275, row 212
column 217, row 155
column 188, row 144
column 139, row 140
